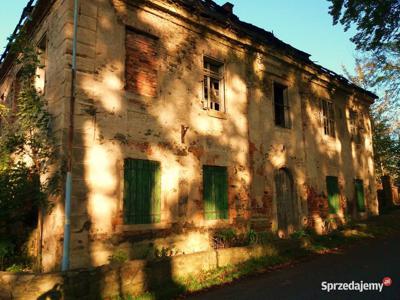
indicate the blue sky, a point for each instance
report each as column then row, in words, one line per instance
column 305, row 24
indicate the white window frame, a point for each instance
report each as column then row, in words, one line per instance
column 208, row 76
column 328, row 121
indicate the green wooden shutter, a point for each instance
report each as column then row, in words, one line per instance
column 142, row 191
column 333, row 193
column 215, row 192
column 360, row 201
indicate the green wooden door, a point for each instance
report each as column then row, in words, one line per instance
column 142, row 191
column 215, row 192
column 360, row 201
column 333, row 193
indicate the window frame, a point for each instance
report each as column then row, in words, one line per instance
column 355, row 133
column 42, row 47
column 328, row 120
column 208, row 75
column 285, row 106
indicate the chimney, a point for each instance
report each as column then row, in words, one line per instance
column 228, row 7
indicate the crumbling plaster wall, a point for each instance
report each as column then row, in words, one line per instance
column 113, row 124
column 338, row 156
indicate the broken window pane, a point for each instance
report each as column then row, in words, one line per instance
column 213, row 84
column 328, row 117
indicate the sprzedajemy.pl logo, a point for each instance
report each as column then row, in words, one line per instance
column 359, row 286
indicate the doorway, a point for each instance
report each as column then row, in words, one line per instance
column 286, row 202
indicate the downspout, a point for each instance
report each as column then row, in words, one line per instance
column 68, row 182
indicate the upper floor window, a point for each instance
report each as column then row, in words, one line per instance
column 328, row 117
column 213, row 85
column 281, row 106
column 141, row 63
column 40, row 80
column 354, row 128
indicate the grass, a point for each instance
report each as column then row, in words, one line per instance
column 300, row 245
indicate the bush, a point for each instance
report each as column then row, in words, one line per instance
column 6, row 250
column 119, row 257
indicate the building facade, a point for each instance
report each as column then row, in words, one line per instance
column 188, row 121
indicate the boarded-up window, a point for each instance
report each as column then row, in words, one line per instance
column 142, row 191
column 141, row 63
column 215, row 189
column 359, row 187
column 281, row 106
column 332, row 186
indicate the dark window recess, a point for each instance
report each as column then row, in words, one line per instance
column 332, row 186
column 354, row 127
column 142, row 191
column 281, row 105
column 213, row 85
column 328, row 117
column 215, row 192
column 359, row 189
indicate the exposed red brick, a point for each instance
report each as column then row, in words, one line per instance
column 317, row 205
column 197, row 151
column 141, row 64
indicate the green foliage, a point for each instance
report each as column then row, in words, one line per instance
column 377, row 21
column 119, row 256
column 385, row 116
column 299, row 234
column 224, row 238
column 6, row 250
column 252, row 236
column 378, row 69
column 26, row 149
column 15, row 268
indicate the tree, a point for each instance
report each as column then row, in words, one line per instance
column 385, row 136
column 378, row 22
column 377, row 68
column 26, row 149
column 378, row 37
